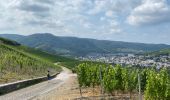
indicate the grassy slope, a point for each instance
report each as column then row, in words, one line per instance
column 67, row 62
column 18, row 62
column 34, row 52
column 43, row 55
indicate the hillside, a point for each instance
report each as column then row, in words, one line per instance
column 9, row 42
column 160, row 52
column 44, row 55
column 64, row 61
column 17, row 64
column 81, row 46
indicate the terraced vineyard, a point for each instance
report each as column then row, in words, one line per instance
column 17, row 64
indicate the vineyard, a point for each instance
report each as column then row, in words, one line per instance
column 153, row 84
column 17, row 65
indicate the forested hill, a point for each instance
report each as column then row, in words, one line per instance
column 81, row 46
column 17, row 63
column 160, row 52
column 9, row 42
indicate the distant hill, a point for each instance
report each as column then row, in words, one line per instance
column 9, row 42
column 81, row 46
column 12, row 36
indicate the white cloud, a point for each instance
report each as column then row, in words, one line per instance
column 116, row 6
column 59, row 16
column 150, row 12
column 84, row 18
column 115, row 28
column 109, row 13
column 98, row 6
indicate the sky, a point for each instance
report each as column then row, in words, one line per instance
column 146, row 21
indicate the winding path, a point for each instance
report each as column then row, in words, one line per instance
column 40, row 89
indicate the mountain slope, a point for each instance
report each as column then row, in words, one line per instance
column 8, row 42
column 160, row 52
column 82, row 46
column 17, row 64
column 15, row 37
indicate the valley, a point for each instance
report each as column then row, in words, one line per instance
column 87, row 74
column 84, row 49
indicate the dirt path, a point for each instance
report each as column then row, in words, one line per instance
column 40, row 89
column 69, row 90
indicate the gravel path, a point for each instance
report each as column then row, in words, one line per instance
column 40, row 89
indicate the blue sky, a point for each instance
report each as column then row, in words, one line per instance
column 145, row 21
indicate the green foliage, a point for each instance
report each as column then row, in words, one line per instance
column 132, row 80
column 113, row 78
column 154, row 84
column 109, row 80
column 118, row 77
column 157, row 87
column 87, row 74
column 143, row 75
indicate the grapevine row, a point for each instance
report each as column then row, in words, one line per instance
column 15, row 65
column 155, row 84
